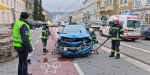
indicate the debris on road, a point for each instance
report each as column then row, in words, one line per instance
column 7, row 52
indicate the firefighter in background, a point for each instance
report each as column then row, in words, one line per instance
column 45, row 36
column 48, row 23
column 93, row 35
column 115, row 33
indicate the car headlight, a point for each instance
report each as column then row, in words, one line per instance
column 65, row 49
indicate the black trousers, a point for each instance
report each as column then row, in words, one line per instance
column 44, row 41
column 23, row 65
column 115, row 46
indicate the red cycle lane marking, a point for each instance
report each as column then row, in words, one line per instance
column 48, row 64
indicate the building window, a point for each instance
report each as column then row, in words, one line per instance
column 96, row 17
column 26, row 5
column 110, row 14
column 121, row 1
column 99, row 17
column 110, row 2
column 15, row 3
column 11, row 3
column 125, row 1
column 119, row 13
column 126, row 12
column 2, row 1
column 30, row 7
column 105, row 4
column 138, row 2
column 8, row 16
column 148, row 1
column 7, row 2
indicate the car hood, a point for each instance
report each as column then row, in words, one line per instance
column 80, row 35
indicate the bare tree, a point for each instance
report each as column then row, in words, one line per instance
column 142, row 13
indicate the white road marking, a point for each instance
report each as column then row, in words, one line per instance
column 55, row 32
column 137, row 48
column 132, row 61
column 37, row 42
column 40, row 36
column 78, row 69
column 50, row 68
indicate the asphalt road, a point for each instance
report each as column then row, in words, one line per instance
column 140, row 43
column 93, row 65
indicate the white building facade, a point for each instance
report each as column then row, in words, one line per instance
column 141, row 8
column 7, row 16
column 79, row 15
column 88, row 7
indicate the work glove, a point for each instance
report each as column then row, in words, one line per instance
column 107, row 38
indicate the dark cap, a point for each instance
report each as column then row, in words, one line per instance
column 24, row 15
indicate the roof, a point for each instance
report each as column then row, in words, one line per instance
column 74, row 26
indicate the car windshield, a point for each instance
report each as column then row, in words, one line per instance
column 74, row 29
column 81, row 23
column 143, row 26
column 30, row 21
column 133, row 23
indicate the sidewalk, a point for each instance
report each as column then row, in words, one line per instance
column 4, row 29
column 50, row 64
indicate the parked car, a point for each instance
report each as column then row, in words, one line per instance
column 32, row 24
column 41, row 23
column 54, row 24
column 146, row 32
column 62, row 23
column 74, row 40
column 143, row 26
column 37, row 24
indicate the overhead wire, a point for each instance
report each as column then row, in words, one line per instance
column 60, row 5
column 71, row 5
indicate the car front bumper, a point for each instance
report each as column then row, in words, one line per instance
column 77, row 52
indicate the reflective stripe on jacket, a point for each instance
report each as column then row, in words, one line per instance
column 116, row 32
column 45, row 33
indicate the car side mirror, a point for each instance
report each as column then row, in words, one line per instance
column 91, row 32
column 58, row 33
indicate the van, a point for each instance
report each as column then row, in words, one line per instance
column 130, row 23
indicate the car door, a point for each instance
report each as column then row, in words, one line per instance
column 104, row 28
column 148, row 33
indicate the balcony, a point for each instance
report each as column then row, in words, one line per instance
column 97, row 0
column 109, row 8
column 102, row 9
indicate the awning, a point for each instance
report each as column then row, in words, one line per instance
column 3, row 7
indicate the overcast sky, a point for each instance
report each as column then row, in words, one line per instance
column 54, row 5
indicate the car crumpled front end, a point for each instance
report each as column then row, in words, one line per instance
column 74, row 46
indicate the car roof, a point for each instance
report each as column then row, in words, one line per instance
column 74, row 26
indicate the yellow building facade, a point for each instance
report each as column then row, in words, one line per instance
column 108, row 8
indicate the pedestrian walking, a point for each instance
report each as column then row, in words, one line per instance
column 115, row 33
column 22, row 41
column 45, row 36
